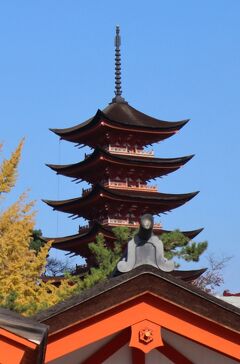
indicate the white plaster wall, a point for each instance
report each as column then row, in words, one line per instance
column 198, row 354
column 154, row 357
column 122, row 356
column 78, row 356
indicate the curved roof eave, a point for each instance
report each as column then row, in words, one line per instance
column 97, row 189
column 123, row 115
column 121, row 158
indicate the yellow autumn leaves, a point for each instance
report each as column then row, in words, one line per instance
column 21, row 286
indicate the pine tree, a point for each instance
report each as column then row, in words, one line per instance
column 21, row 286
column 176, row 245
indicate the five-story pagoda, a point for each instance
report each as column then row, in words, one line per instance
column 118, row 170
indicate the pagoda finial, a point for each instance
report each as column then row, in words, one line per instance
column 118, row 82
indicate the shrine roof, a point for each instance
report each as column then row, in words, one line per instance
column 142, row 280
column 121, row 113
column 25, row 328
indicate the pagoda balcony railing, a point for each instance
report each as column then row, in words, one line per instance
column 126, row 186
column 82, row 228
column 126, row 222
column 126, row 151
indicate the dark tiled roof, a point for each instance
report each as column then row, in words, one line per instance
column 123, row 114
column 77, row 170
column 126, row 114
column 78, row 243
column 164, row 197
column 154, row 202
column 26, row 328
column 141, row 280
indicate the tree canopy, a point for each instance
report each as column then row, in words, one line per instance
column 21, row 268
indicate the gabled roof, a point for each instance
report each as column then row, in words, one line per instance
column 94, row 202
column 93, row 168
column 142, row 279
column 123, row 116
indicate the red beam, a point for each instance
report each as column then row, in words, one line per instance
column 138, row 356
column 109, row 349
column 173, row 355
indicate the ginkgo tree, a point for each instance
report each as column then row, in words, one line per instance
column 21, row 268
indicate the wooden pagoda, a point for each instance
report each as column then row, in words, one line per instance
column 118, row 169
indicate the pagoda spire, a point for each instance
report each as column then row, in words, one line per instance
column 118, row 81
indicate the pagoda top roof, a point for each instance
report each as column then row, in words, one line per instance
column 122, row 115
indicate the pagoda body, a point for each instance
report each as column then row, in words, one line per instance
column 118, row 170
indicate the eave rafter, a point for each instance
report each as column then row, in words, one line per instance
column 104, row 163
column 100, row 197
column 78, row 243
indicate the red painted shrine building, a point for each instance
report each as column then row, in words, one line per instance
column 144, row 316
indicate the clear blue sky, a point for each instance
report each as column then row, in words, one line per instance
column 181, row 59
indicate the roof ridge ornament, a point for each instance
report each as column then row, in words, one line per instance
column 144, row 248
column 118, row 81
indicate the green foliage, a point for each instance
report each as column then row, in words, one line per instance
column 36, row 242
column 176, row 244
column 106, row 259
column 122, row 234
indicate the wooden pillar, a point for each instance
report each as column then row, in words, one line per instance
column 138, row 356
